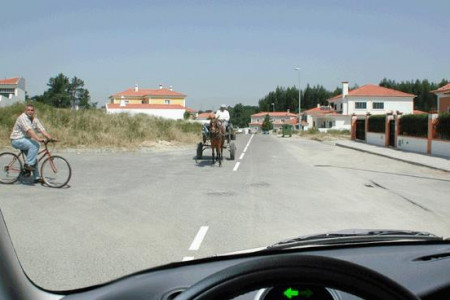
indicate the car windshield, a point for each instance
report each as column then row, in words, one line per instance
column 183, row 130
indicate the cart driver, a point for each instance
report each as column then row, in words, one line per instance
column 223, row 115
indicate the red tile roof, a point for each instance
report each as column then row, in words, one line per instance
column 206, row 115
column 145, row 106
column 371, row 90
column 191, row 110
column 148, row 92
column 320, row 111
column 445, row 88
column 14, row 80
column 275, row 114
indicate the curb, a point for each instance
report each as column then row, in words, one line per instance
column 395, row 158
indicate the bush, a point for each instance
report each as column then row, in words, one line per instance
column 443, row 126
column 312, row 130
column 339, row 132
column 414, row 125
column 377, row 123
column 267, row 124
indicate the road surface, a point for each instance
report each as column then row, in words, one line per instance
column 124, row 212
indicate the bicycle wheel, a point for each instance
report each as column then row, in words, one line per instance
column 10, row 167
column 56, row 171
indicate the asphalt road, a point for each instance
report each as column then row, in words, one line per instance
column 124, row 212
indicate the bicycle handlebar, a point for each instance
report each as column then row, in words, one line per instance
column 50, row 141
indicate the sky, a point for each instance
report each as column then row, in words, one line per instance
column 223, row 52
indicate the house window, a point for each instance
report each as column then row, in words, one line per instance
column 378, row 105
column 166, row 101
column 360, row 105
column 341, row 106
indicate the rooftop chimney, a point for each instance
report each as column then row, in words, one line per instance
column 136, row 88
column 344, row 89
column 160, row 86
column 170, row 88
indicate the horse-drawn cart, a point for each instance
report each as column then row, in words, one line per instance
column 230, row 136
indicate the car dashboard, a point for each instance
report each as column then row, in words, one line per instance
column 422, row 268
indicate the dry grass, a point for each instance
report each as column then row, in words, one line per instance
column 96, row 129
column 316, row 135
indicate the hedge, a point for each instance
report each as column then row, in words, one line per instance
column 414, row 125
column 377, row 123
column 443, row 126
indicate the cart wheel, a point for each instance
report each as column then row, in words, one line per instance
column 232, row 151
column 199, row 151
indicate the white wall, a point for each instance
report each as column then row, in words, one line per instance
column 376, row 138
column 440, row 148
column 412, row 144
column 164, row 113
column 5, row 101
column 338, row 122
column 402, row 104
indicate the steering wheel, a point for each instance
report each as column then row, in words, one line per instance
column 294, row 269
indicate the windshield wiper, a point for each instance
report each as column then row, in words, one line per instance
column 356, row 236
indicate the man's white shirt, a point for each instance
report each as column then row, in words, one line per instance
column 223, row 115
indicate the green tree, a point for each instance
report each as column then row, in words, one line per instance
column 64, row 93
column 267, row 124
column 240, row 114
column 425, row 100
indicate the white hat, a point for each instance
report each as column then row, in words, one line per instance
column 223, row 105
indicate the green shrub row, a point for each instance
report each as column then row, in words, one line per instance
column 414, row 125
column 377, row 123
column 443, row 126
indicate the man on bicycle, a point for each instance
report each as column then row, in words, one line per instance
column 24, row 137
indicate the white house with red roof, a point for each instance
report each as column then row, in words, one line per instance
column 368, row 99
column 160, row 102
column 443, row 98
column 205, row 117
column 372, row 99
column 278, row 119
column 12, row 90
column 324, row 118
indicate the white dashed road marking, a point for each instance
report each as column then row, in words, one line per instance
column 187, row 258
column 236, row 166
column 198, row 238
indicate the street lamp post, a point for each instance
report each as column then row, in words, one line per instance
column 299, row 100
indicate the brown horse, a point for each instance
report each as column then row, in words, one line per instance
column 217, row 139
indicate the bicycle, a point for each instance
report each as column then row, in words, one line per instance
column 55, row 170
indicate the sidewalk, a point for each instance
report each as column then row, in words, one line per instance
column 408, row 157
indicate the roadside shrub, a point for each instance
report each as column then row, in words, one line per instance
column 313, row 130
column 377, row 123
column 414, row 125
column 443, row 126
column 339, row 132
